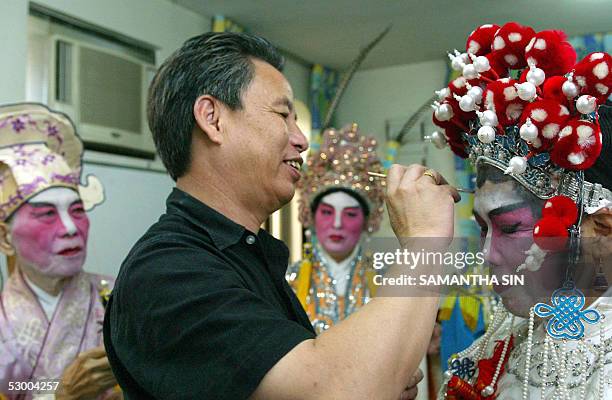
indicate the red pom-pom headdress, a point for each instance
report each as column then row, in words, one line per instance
column 543, row 128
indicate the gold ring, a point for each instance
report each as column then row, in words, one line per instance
column 432, row 174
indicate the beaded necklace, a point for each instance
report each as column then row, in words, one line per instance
column 330, row 306
column 567, row 371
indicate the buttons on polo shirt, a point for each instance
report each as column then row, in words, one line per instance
column 250, row 239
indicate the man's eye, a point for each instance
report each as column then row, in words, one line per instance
column 351, row 214
column 326, row 212
column 285, row 115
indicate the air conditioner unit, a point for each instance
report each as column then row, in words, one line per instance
column 102, row 89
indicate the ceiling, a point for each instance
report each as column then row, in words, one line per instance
column 331, row 32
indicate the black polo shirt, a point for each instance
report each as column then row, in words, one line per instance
column 201, row 308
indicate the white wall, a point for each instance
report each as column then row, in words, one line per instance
column 298, row 76
column 375, row 95
column 13, row 44
column 395, row 93
column 134, row 201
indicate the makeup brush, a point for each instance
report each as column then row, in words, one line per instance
column 461, row 190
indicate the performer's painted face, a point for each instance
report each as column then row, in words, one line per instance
column 50, row 231
column 507, row 215
column 339, row 221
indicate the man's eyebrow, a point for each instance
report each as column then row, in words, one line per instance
column 284, row 101
column 509, row 207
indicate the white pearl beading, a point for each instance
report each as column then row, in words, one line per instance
column 602, row 358
column 583, row 369
column 495, row 321
column 528, row 356
column 500, row 364
column 545, row 362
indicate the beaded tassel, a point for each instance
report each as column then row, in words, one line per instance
column 602, row 360
column 528, row 355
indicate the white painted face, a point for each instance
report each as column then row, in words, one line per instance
column 339, row 201
column 49, row 233
column 507, row 215
column 62, row 199
column 493, row 197
column 339, row 221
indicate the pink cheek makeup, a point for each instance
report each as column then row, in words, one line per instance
column 33, row 235
column 345, row 237
column 352, row 226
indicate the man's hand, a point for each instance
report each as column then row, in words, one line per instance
column 88, row 376
column 411, row 391
column 420, row 206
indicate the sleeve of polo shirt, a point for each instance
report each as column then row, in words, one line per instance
column 193, row 331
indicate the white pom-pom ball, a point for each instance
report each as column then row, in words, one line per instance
column 442, row 93
column 438, row 139
column 586, row 104
column 486, row 134
column 476, row 93
column 517, row 165
column 528, row 131
column 457, row 61
column 488, row 118
column 536, row 75
column 457, row 64
column 469, row 72
column 526, row 91
column 444, row 112
column 467, row 103
column 569, row 89
column 482, row 64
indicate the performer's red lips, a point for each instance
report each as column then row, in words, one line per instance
column 336, row 238
column 70, row 251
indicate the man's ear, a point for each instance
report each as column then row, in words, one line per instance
column 206, row 111
column 6, row 246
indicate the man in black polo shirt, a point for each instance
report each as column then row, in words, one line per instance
column 201, row 309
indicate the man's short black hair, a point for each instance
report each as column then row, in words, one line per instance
column 217, row 64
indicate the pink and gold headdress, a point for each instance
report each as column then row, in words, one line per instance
column 40, row 149
column 343, row 162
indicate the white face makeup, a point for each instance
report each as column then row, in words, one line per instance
column 49, row 233
column 339, row 221
column 490, row 197
column 339, row 201
column 507, row 215
column 62, row 199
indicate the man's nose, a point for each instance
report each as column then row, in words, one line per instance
column 298, row 139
